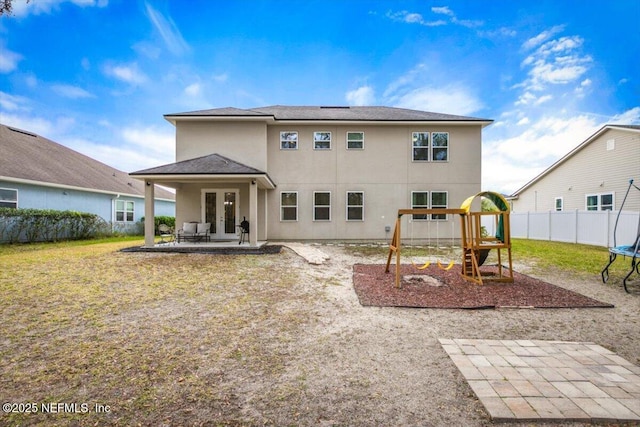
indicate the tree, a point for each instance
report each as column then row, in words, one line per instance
column 6, row 6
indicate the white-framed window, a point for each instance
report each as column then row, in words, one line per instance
column 289, row 206
column 559, row 204
column 355, row 206
column 355, row 140
column 322, row 140
column 439, row 200
column 599, row 202
column 8, row 198
column 288, row 140
column 420, row 146
column 124, row 211
column 322, row 206
column 440, row 146
column 420, row 200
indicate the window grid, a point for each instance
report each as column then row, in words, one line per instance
column 355, row 206
column 420, row 200
column 355, row 140
column 124, row 211
column 322, row 140
column 440, row 146
column 420, row 146
column 322, row 206
column 559, row 204
column 289, row 206
column 288, row 140
column 599, row 202
column 8, row 198
column 439, row 200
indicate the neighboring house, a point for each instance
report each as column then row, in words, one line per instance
column 311, row 173
column 38, row 173
column 594, row 176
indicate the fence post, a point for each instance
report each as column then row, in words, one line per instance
column 575, row 227
column 549, row 223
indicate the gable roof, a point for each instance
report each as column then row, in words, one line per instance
column 326, row 113
column 632, row 128
column 28, row 157
column 212, row 164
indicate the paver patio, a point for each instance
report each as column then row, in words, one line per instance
column 529, row 380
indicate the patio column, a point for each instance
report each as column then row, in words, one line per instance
column 253, row 213
column 149, row 214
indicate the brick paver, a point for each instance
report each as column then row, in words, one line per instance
column 548, row 380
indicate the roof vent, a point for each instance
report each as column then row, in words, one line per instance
column 22, row 132
column 335, row 106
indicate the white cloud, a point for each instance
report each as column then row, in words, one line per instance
column 69, row 91
column 193, row 89
column 31, row 124
column 413, row 18
column 523, row 121
column 364, row 95
column 450, row 99
column 629, row 117
column 511, row 161
column 168, row 31
column 8, row 60
column 542, row 37
column 220, row 78
column 10, row 102
column 126, row 73
column 442, row 10
column 158, row 144
column 36, row 7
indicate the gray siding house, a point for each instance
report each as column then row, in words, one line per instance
column 594, row 176
column 38, row 173
column 314, row 172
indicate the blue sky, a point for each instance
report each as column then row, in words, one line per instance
column 98, row 75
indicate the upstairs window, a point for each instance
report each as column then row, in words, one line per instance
column 355, row 206
column 440, row 146
column 289, row 206
column 288, row 140
column 322, row 206
column 355, row 140
column 124, row 211
column 322, row 140
column 420, row 144
column 8, row 198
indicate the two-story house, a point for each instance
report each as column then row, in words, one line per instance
column 315, row 173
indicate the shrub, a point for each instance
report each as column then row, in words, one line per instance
column 43, row 225
column 160, row 219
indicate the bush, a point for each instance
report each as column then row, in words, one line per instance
column 167, row 220
column 44, row 225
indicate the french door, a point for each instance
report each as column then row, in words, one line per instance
column 221, row 209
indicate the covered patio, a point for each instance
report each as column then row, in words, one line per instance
column 212, row 190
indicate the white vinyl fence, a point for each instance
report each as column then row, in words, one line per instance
column 587, row 227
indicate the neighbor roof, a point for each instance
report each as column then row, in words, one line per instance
column 327, row 113
column 30, row 157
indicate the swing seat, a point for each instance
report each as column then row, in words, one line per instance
column 421, row 267
column 447, row 268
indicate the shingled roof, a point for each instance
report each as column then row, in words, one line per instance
column 30, row 157
column 328, row 113
column 213, row 164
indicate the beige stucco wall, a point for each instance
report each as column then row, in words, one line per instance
column 384, row 171
column 242, row 141
column 592, row 170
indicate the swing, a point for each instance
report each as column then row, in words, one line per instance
column 451, row 263
column 418, row 266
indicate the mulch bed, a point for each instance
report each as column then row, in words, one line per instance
column 437, row 288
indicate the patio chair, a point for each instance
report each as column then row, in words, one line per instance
column 166, row 232
column 244, row 230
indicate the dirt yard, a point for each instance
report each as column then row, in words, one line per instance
column 174, row 339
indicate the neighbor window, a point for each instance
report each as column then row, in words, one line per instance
column 8, row 198
column 355, row 206
column 420, row 200
column 600, row 202
column 355, row 140
column 440, row 146
column 322, row 140
column 321, row 206
column 288, row 140
column 559, row 204
column 439, row 201
column 420, row 146
column 289, row 206
column 124, row 211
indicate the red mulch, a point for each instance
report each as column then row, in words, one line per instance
column 437, row 288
